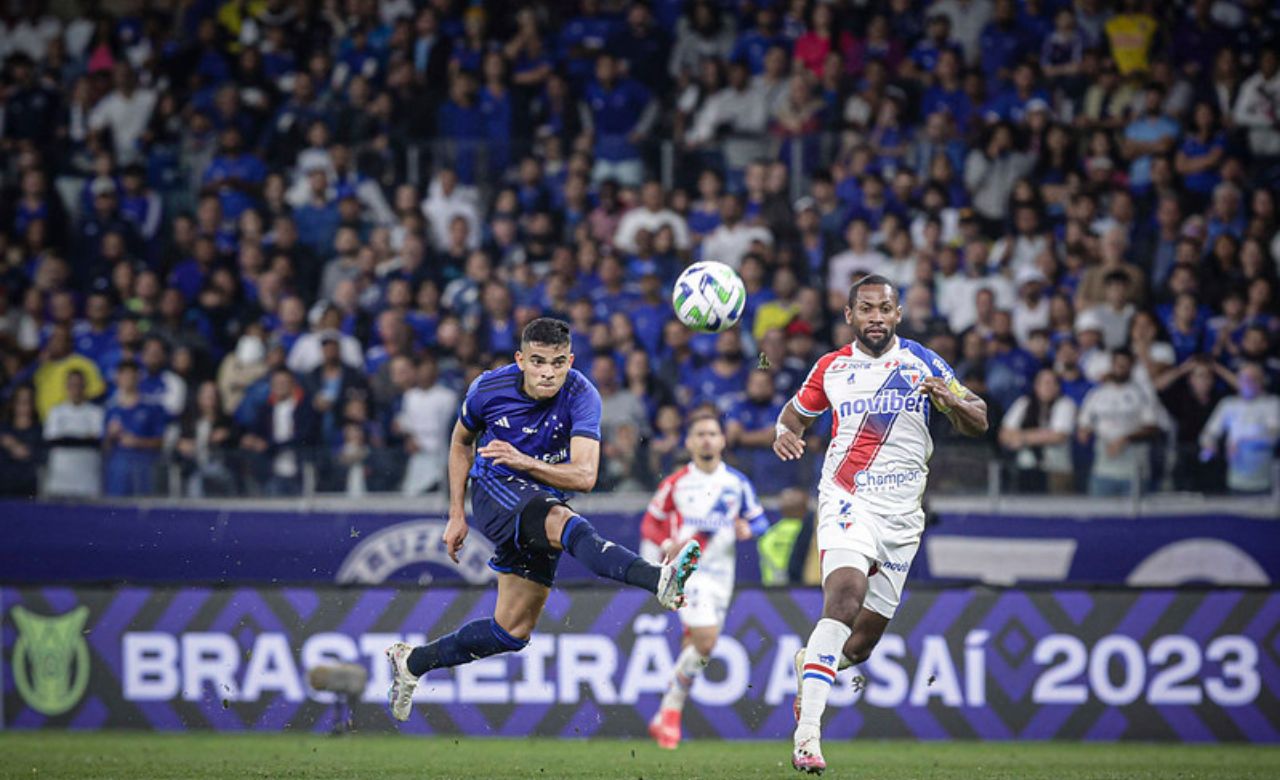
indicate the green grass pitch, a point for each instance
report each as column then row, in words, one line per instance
column 139, row 756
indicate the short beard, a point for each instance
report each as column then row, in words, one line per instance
column 876, row 347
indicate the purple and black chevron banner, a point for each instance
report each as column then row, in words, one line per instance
column 966, row 664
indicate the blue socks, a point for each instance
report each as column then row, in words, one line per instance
column 483, row 638
column 477, row 639
column 607, row 559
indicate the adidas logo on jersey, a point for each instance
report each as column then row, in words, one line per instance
column 502, row 423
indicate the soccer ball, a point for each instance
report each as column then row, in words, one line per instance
column 709, row 297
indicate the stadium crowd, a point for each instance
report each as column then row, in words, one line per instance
column 260, row 239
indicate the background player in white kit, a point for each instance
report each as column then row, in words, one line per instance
column 716, row 504
column 880, row 390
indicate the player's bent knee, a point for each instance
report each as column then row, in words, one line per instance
column 535, row 521
column 512, row 638
column 704, row 644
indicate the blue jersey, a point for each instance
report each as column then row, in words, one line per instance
column 496, row 407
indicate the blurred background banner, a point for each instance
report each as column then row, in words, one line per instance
column 961, row 663
column 363, row 545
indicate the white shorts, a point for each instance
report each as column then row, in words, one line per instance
column 706, row 601
column 889, row 541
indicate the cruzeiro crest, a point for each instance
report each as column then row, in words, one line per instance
column 50, row 659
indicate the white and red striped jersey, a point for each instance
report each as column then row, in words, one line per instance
column 880, row 443
column 695, row 504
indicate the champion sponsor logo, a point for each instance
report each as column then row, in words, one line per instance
column 865, row 480
column 890, row 401
column 901, row 568
column 529, row 430
column 502, row 422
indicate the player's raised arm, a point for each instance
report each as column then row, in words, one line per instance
column 578, row 474
column 461, row 453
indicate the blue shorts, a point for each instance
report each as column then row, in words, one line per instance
column 496, row 505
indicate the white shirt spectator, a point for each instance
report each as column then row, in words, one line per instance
column 843, row 266
column 1112, row 411
column 1252, row 428
column 32, row 36
column 126, row 116
column 1018, row 253
column 427, row 417
column 744, row 112
column 950, row 219
column 1114, row 324
column 961, row 307
column 308, row 352
column 729, row 245
column 641, row 218
column 75, row 466
column 1258, row 110
column 1055, row 458
column 968, row 17
column 1028, row 317
column 440, row 209
column 285, row 463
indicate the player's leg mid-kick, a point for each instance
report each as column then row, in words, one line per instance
column 528, row 434
column 523, row 591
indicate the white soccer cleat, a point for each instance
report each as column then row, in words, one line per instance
column 400, row 695
column 806, row 755
column 676, row 573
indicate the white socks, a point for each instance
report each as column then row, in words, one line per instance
column 821, row 656
column 689, row 665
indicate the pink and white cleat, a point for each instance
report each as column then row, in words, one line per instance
column 806, row 756
column 665, row 728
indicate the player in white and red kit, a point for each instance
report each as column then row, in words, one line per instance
column 881, row 391
column 716, row 504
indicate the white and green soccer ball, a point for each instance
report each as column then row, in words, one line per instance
column 709, row 297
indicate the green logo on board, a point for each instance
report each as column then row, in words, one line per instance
column 50, row 659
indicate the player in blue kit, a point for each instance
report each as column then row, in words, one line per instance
column 526, row 436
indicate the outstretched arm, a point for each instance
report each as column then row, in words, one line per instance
column 967, row 412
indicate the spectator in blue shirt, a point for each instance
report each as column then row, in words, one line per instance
column 644, row 48
column 752, row 45
column 622, row 112
column 318, row 218
column 133, row 436
column 1002, row 44
column 234, row 175
column 583, row 38
column 498, row 111
column 1201, row 153
column 923, row 57
column 462, row 122
column 1145, row 137
column 750, row 433
column 278, row 434
column 722, row 381
column 1016, row 102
